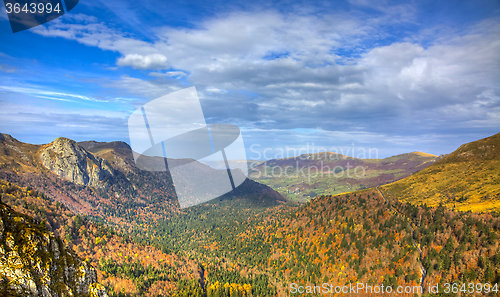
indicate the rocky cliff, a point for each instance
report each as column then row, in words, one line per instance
column 35, row 263
column 70, row 161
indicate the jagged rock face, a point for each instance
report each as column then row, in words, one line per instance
column 35, row 263
column 67, row 159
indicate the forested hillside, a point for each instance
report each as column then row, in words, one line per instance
column 348, row 238
column 144, row 270
column 148, row 262
column 34, row 262
column 458, row 247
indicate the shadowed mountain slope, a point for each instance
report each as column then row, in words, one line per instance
column 101, row 179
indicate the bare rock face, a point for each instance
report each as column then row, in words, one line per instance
column 70, row 161
column 35, row 263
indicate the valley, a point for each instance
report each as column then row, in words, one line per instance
column 309, row 175
column 255, row 241
column 238, row 148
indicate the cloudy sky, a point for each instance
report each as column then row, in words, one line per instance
column 392, row 76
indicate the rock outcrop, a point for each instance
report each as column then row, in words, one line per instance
column 35, row 263
column 65, row 158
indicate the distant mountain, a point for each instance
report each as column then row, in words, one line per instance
column 310, row 175
column 467, row 179
column 101, row 179
column 35, row 263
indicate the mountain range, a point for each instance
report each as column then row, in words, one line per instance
column 125, row 225
column 309, row 175
column 101, row 179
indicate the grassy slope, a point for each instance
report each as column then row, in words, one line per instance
column 467, row 179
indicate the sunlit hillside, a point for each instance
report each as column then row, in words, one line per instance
column 467, row 179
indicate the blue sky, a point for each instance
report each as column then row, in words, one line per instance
column 392, row 76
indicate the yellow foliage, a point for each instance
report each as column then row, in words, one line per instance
column 467, row 179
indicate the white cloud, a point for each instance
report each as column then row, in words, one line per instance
column 143, row 88
column 168, row 74
column 458, row 69
column 215, row 90
column 290, row 64
column 95, row 34
column 48, row 94
column 153, row 61
column 392, row 58
column 80, row 17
